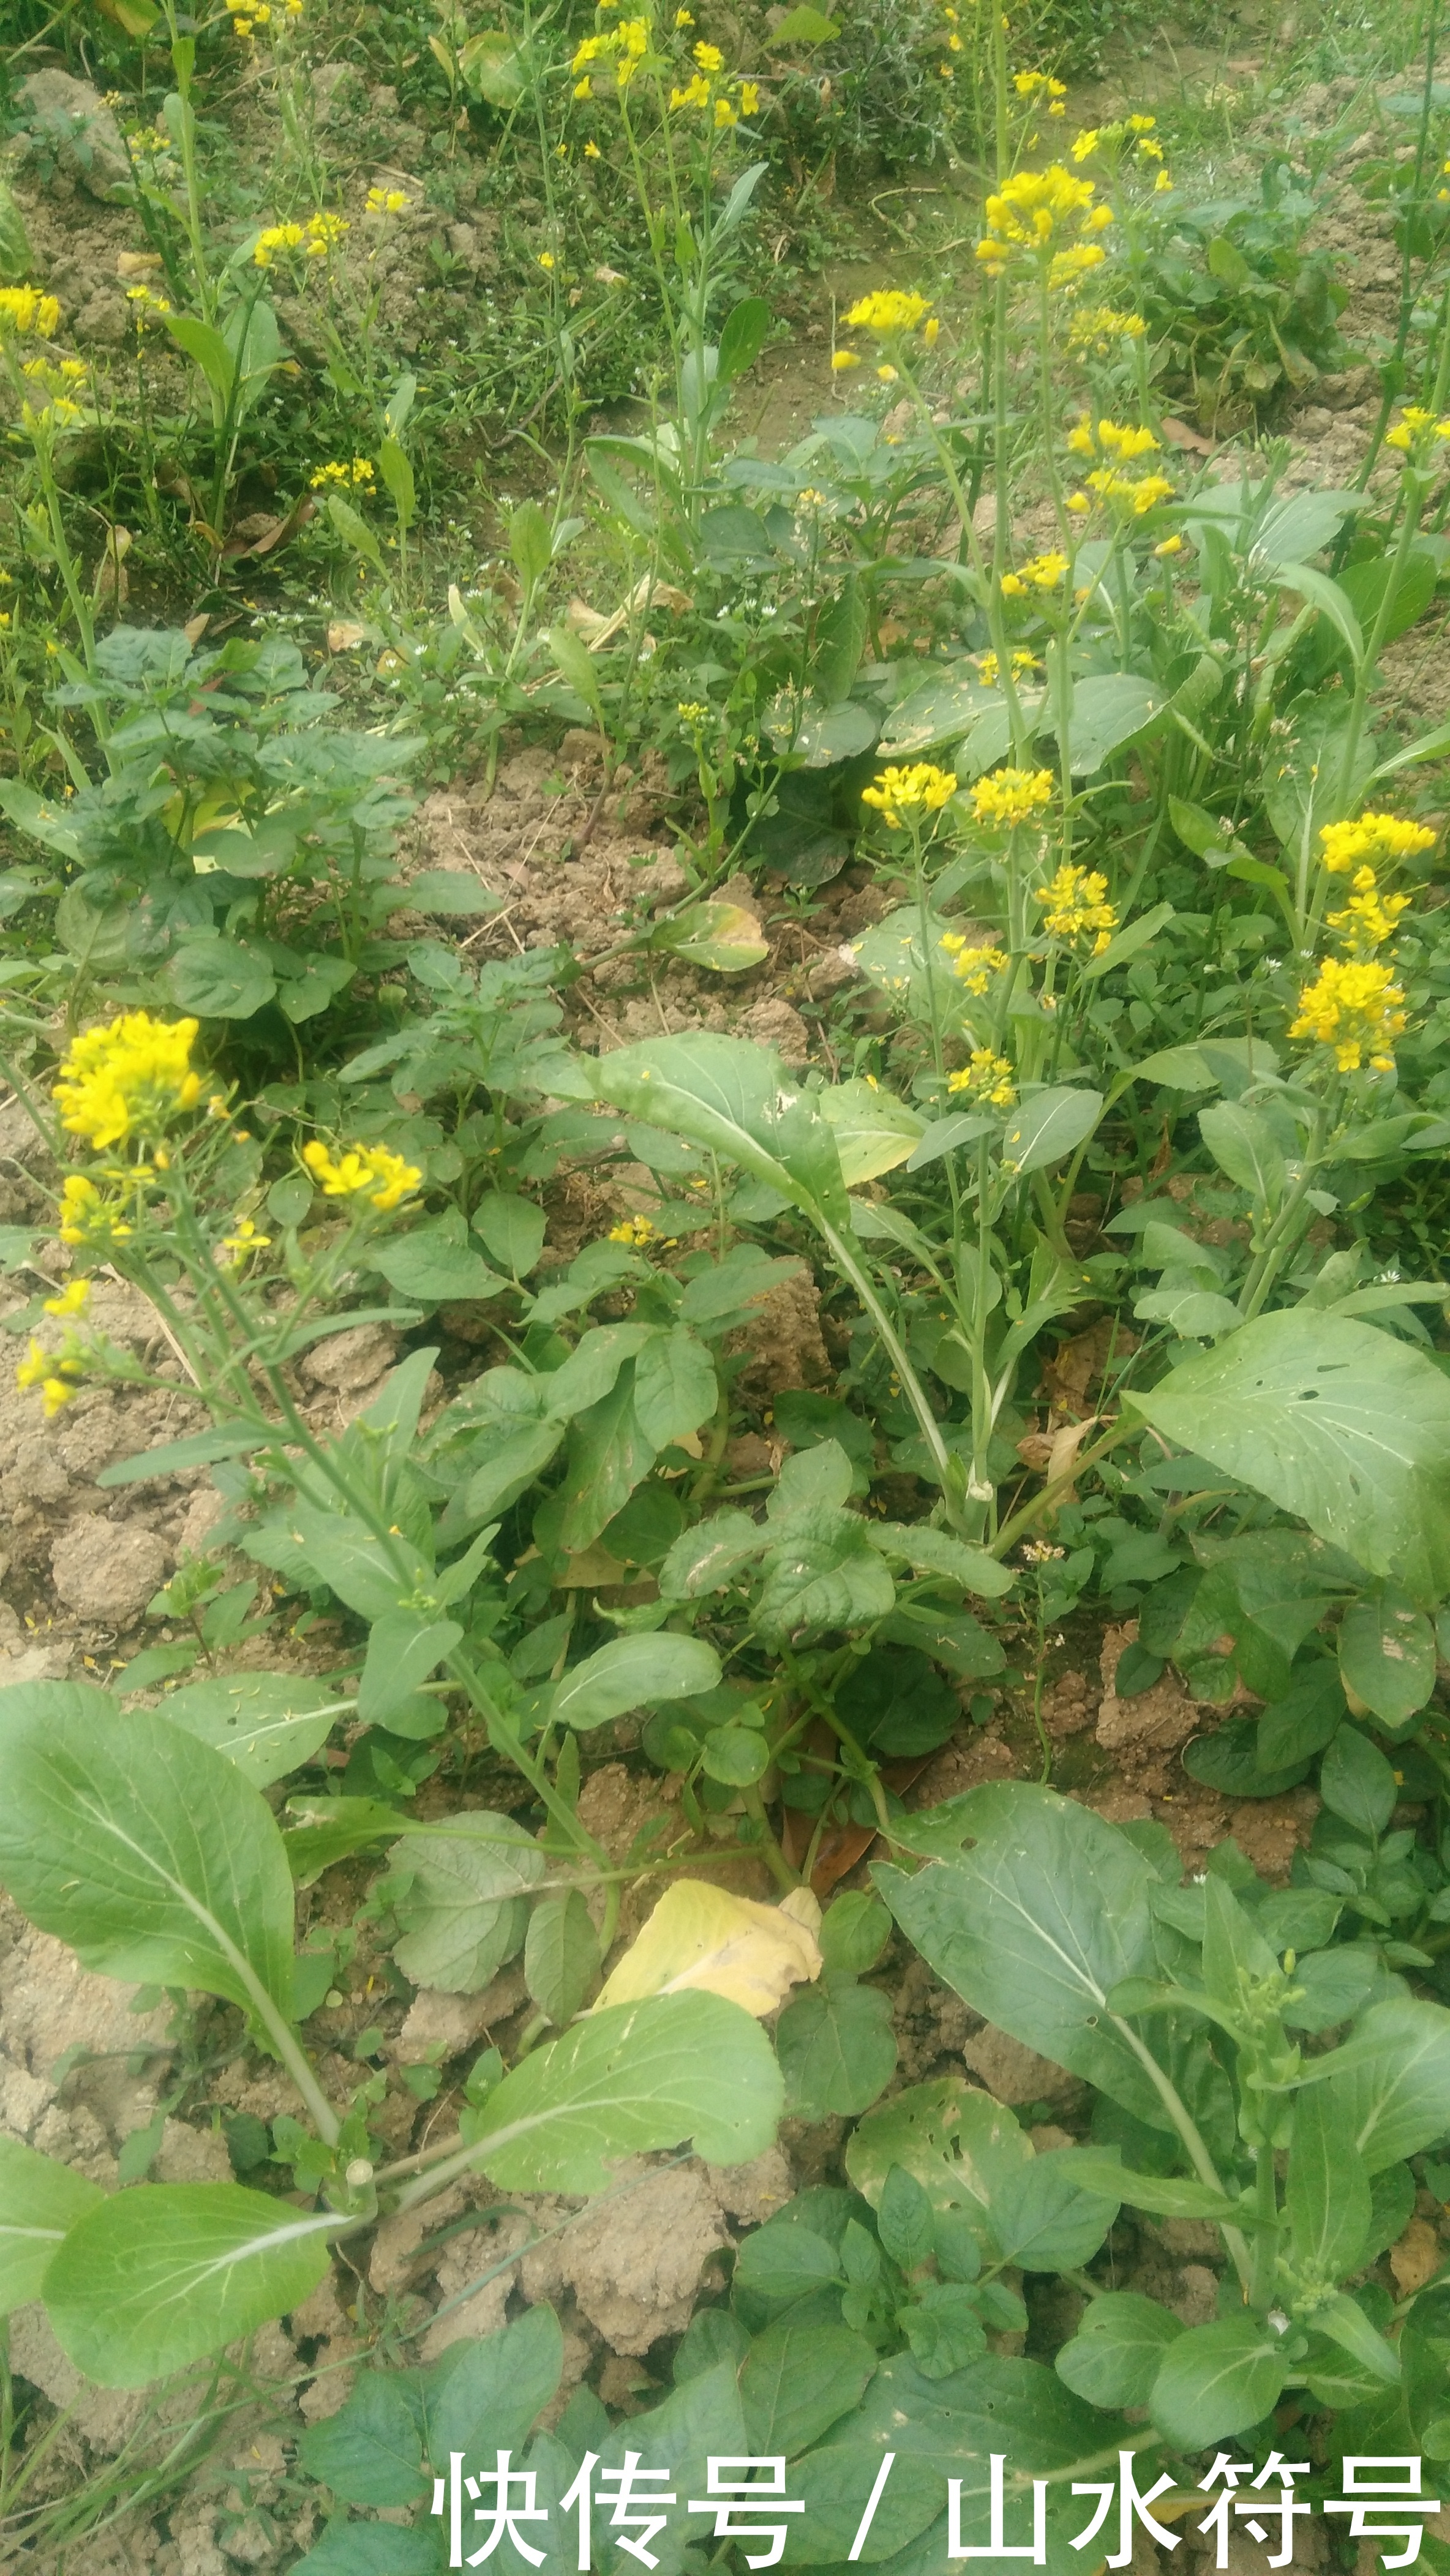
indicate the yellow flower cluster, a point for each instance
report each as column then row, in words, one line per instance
column 318, row 238
column 1099, row 325
column 1035, row 86
column 26, row 314
column 86, row 1216
column 1075, row 904
column 1355, row 1008
column 358, row 476
column 54, row 382
column 1369, row 918
column 248, row 15
column 625, row 46
column 1119, row 444
column 1417, row 432
column 1111, row 438
column 1044, row 572
column 898, row 793
column 888, row 313
column 1133, row 494
column 132, row 1078
column 1011, row 795
column 1135, row 133
column 55, row 1373
column 364, row 1169
column 635, row 1231
column 987, row 1077
column 1044, row 216
column 973, row 964
column 387, row 201
column 1373, row 838
column 989, row 668
column 146, row 307
column 243, row 1241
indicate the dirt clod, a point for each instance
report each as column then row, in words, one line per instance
column 105, row 1570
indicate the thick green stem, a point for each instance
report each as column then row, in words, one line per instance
column 849, row 1263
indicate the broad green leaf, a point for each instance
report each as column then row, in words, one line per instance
column 1327, row 2201
column 164, row 2273
column 397, row 473
column 40, row 2202
column 561, row 1955
column 1356, row 1782
column 463, row 1913
column 609, row 1454
column 1344, row 2321
column 675, row 1389
column 742, row 337
column 16, row 261
column 1035, row 1925
column 721, row 936
column 628, row 2081
column 201, row 1450
column 1047, row 1127
column 1387, row 1654
column 837, row 2049
column 874, row 1131
column 1336, row 1423
column 799, row 2380
column 855, row 1929
column 219, row 979
column 512, row 1229
column 371, row 2452
column 1118, row 2349
column 494, row 68
column 510, row 1469
column 1045, row 2218
column 371, row 1577
column 1242, row 1144
column 737, row 1756
column 354, row 531
column 732, row 1097
column 804, row 26
column 1166, row 2195
column 633, row 1672
column 429, row 1265
column 959, row 2144
column 403, row 1650
column 707, row 1558
column 934, row 1551
column 1108, row 711
column 330, row 1829
column 451, row 891
column 266, row 1723
column 349, row 2548
column 1217, row 2379
column 206, row 348
column 495, row 2391
column 1390, row 2082
column 143, row 1848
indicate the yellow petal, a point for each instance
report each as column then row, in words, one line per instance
column 702, row 1937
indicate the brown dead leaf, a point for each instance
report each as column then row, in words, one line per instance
column 1074, row 1372
column 111, row 589
column 1179, row 434
column 345, row 634
column 1416, row 2258
column 261, row 533
column 195, row 628
column 701, row 1938
column 137, row 263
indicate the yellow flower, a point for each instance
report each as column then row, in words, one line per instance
column 385, row 1178
column 683, row 18
column 709, row 58
column 887, row 375
column 133, row 1077
column 635, row 1231
column 1373, row 838
column 1076, row 903
column 358, row 473
column 1044, row 572
column 1131, row 494
column 1108, row 438
column 243, row 1241
column 1369, row 918
column 1100, row 324
column 692, row 711
column 1032, row 213
column 842, row 359
column 1416, row 430
column 887, row 313
column 86, row 1217
column 1084, row 145
column 54, row 1376
column 973, row 966
column 1353, row 1008
column 990, row 669
column 546, row 259
column 750, row 102
column 697, row 94
column 1011, row 795
column 1169, row 546
column 387, row 201
column 73, row 1299
column 725, row 113
column 897, row 792
column 591, row 151
column 1162, row 184
column 987, row 1077
column 26, row 314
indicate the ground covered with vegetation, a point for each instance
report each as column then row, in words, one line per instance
column 726, row 1578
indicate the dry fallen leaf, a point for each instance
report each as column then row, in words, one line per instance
column 702, row 1937
column 137, row 263
column 1416, row 2258
column 345, row 634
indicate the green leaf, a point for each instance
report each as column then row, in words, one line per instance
column 144, row 1849
column 349, row 2548
column 627, row 2081
column 1345, row 2323
column 510, row 1469
column 1045, row 2218
column 371, row 2452
column 164, row 2273
column 573, row 659
column 561, row 1955
column 724, row 937
column 1357, row 1783
column 397, row 473
column 1327, row 2202
column 934, row 1551
column 674, row 1386
column 428, row 1264
column 40, row 2202
column 742, row 337
column 804, row 26
column 495, row 2391
column 330, row 1829
column 451, row 892
column 512, row 1229
column 266, row 1723
column 1218, row 2379
column 345, row 1555
column 737, row 1756
column 734, row 1099
column 219, row 979
column 354, row 531
column 207, row 350
column 494, row 68
column 1390, row 2082
column 1035, row 1925
column 202, row 1449
column 1336, row 1423
column 1242, row 1144
column 1387, row 1654
column 855, row 1929
column 1118, row 2349
column 905, row 2221
column 837, row 2049
column 16, row 261
column 463, row 1912
column 403, row 1650
column 1048, row 1126
column 1107, row 712
column 874, row 1131
column 799, row 2380
column 633, row 1672
column 1165, row 2195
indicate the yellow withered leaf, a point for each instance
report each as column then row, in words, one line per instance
column 702, row 1936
